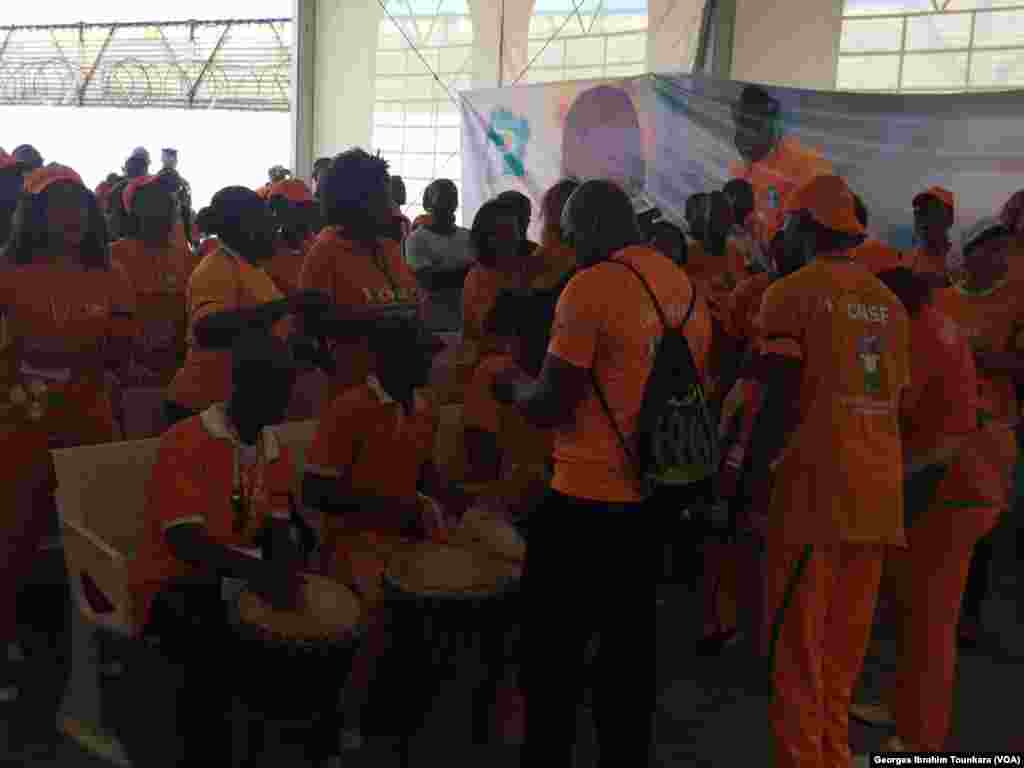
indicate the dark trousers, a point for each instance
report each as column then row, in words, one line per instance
column 175, row 413
column 978, row 578
column 591, row 568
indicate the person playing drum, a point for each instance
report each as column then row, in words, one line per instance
column 368, row 463
column 220, row 487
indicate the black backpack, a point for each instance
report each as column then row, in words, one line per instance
column 676, row 440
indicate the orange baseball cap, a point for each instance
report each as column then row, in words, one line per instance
column 40, row 180
column 292, row 190
column 941, row 194
column 128, row 196
column 830, row 202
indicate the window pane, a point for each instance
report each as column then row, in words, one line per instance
column 624, row 22
column 860, row 35
column 388, row 114
column 455, row 60
column 419, row 139
column 448, row 114
column 868, row 7
column 868, row 73
column 390, row 62
column 389, row 37
column 419, row 166
column 1002, row 28
column 419, row 115
column 939, row 31
column 423, row 62
column 543, row 26
column 585, row 73
column 626, row 70
column 627, row 49
column 390, row 88
column 935, row 70
column 968, row 5
column 543, row 76
column 584, row 52
column 448, row 140
column 551, row 56
column 1002, row 69
column 387, row 139
column 460, row 30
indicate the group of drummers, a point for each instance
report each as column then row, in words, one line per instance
column 854, row 413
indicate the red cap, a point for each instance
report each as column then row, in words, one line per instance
column 292, row 190
column 40, row 180
column 830, row 202
column 944, row 196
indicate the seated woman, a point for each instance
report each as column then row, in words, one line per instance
column 69, row 322
column 291, row 204
column 219, row 507
column 159, row 270
column 440, row 254
column 367, row 471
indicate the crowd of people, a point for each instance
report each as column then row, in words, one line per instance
column 866, row 401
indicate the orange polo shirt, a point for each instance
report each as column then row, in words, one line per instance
column 222, row 281
column 68, row 314
column 992, row 323
column 286, row 266
column 775, row 177
column 605, row 322
column 193, row 481
column 479, row 293
column 878, row 257
column 554, row 261
column 354, row 274
column 925, row 262
column 744, row 306
column 160, row 277
column 715, row 276
column 941, row 402
column 841, row 477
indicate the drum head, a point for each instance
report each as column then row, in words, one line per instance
column 438, row 569
column 330, row 612
column 482, row 532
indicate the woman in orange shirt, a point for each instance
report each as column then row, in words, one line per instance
column 553, row 260
column 231, row 278
column 292, row 206
column 159, row 270
column 349, row 261
column 69, row 320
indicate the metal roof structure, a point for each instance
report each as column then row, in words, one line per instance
column 240, row 64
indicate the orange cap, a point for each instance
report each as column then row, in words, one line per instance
column 128, row 196
column 830, row 202
column 292, row 190
column 944, row 196
column 39, row 180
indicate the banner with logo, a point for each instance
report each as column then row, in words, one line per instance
column 666, row 137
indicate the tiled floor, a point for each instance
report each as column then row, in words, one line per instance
column 707, row 717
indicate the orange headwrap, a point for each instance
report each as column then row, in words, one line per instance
column 944, row 196
column 292, row 190
column 830, row 202
column 40, row 180
column 128, row 196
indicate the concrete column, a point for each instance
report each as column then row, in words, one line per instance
column 303, row 94
column 672, row 30
column 489, row 32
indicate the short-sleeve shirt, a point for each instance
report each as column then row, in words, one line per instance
column 715, row 276
column 368, row 441
column 941, row 402
column 925, row 262
column 775, row 177
column 223, row 281
column 285, row 267
column 744, row 306
column 878, row 257
column 479, row 293
column 605, row 322
column 353, row 274
column 992, row 323
column 199, row 468
column 160, row 277
column 841, row 478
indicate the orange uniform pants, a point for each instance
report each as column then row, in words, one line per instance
column 821, row 600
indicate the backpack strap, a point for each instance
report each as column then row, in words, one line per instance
column 593, row 374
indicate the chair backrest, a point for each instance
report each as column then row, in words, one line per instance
column 103, row 487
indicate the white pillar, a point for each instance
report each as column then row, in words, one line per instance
column 303, row 95
column 489, row 32
column 345, row 67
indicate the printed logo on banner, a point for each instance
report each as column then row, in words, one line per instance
column 510, row 134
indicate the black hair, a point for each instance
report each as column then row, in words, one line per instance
column 553, row 203
column 696, row 213
column 257, row 354
column 483, row 227
column 666, row 230
column 600, row 210
column 740, row 193
column 717, row 223
column 295, row 221
column 400, row 345
column 522, row 205
column 113, row 178
column 125, row 224
column 441, row 198
column 990, row 234
column 828, row 240
column 911, row 289
column 136, row 166
column 29, row 233
column 11, row 182
column 226, row 217
column 320, row 165
column 757, row 99
column 398, row 192
column 860, row 211
column 346, row 185
column 29, row 156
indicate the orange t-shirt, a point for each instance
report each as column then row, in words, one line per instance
column 744, row 305
column 941, row 402
column 353, row 275
column 992, row 323
column 775, row 177
column 479, row 293
column 841, row 477
column 193, row 481
column 64, row 313
column 878, row 257
column 368, row 440
column 160, row 277
column 553, row 262
column 286, row 266
column 715, row 276
column 221, row 282
column 605, row 322
column 925, row 262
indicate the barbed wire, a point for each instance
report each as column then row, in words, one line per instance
column 230, row 64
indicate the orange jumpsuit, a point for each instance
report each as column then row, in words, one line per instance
column 927, row 580
column 837, row 502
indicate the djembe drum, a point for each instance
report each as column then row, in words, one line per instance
column 301, row 659
column 438, row 594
